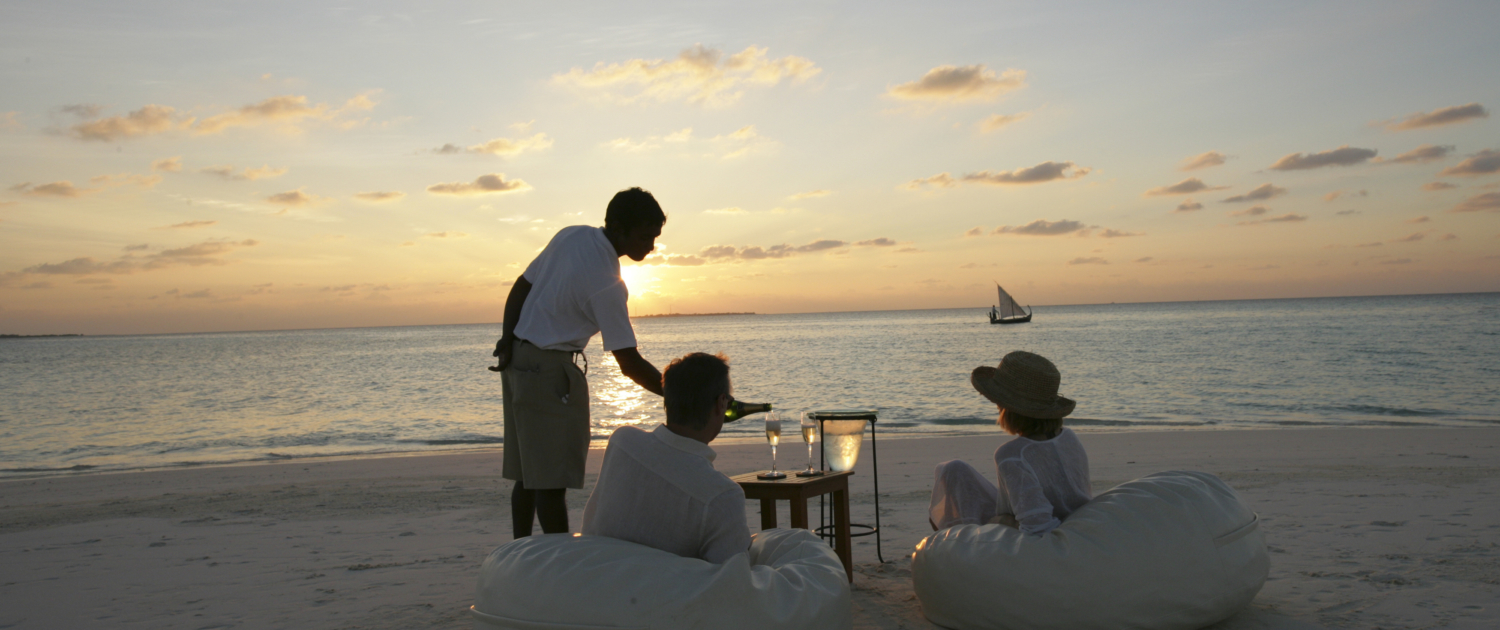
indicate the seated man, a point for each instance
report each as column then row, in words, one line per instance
column 660, row 489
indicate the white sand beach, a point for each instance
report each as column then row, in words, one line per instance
column 1388, row 528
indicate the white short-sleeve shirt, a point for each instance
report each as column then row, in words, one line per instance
column 576, row 291
column 660, row 489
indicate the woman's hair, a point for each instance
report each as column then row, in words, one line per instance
column 1027, row 425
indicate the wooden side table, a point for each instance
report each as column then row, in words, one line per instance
column 797, row 490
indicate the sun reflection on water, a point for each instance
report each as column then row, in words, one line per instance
column 618, row 401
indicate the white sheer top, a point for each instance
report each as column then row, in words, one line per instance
column 1041, row 483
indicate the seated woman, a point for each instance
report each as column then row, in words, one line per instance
column 1044, row 473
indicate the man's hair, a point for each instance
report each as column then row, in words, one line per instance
column 691, row 385
column 633, row 208
column 1027, row 425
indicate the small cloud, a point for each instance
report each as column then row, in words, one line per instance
column 445, row 235
column 167, row 165
column 1343, row 213
column 246, row 175
column 1088, row 261
column 1119, row 234
column 996, row 122
column 1261, row 193
column 1448, row 237
column 1285, row 218
column 1044, row 172
column 502, row 146
column 959, row 83
column 137, row 248
column 974, row 231
column 148, row 120
column 8, row 121
column 820, row 245
column 876, row 242
column 1397, row 261
column 1411, row 238
column 37, row 285
column 1253, row 211
column 407, row 244
column 293, row 198
column 1342, row 156
column 63, row 189
column 1444, row 116
column 630, row 146
column 908, row 250
column 730, row 210
column 698, row 75
column 1436, row 186
column 1487, row 202
column 380, row 196
column 1375, row 244
column 491, row 184
column 811, row 194
column 288, row 110
column 200, row 294
column 941, row 180
column 1423, row 154
column 1345, row 193
column 1421, row 219
column 1184, row 187
column 1486, row 162
column 1188, row 205
column 1144, row 260
column 679, row 136
column 191, row 224
column 1042, row 227
column 1203, row 160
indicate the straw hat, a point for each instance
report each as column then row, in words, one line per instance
column 1025, row 383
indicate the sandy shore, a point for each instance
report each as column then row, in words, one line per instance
column 1389, row 528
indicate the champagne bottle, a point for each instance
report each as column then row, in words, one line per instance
column 738, row 409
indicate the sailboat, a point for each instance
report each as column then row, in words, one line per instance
column 1008, row 311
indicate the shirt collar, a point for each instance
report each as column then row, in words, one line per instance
column 685, row 444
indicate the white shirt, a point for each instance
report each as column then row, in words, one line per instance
column 576, row 291
column 660, row 489
column 1041, row 483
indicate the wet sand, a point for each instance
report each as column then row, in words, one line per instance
column 1390, row 528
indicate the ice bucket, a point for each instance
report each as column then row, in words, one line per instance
column 843, row 433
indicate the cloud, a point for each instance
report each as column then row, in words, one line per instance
column 1188, row 205
column 167, row 165
column 811, row 194
column 908, row 250
column 698, row 75
column 8, row 121
column 293, row 198
column 680, row 136
column 996, row 122
column 1044, row 172
column 959, row 83
column 1486, row 162
column 502, row 146
column 714, row 254
column 1203, row 160
column 630, row 146
column 205, row 253
column 1444, row 116
column 1184, row 187
column 287, row 110
column 1109, row 233
column 148, row 120
column 1375, row 244
column 1448, row 237
column 1261, row 193
column 1144, row 260
column 1042, row 227
column 55, row 189
column 876, row 242
column 1487, row 202
column 1253, row 211
column 974, row 231
column 729, row 210
column 1346, row 212
column 1285, row 218
column 492, row 184
column 381, row 196
column 1088, row 261
column 820, row 245
column 1345, row 193
column 1421, row 219
column 1436, row 186
column 1397, row 261
column 1422, row 154
column 248, row 174
column 1342, row 156
column 190, row 224
column 137, row 248
column 445, row 235
column 1411, row 238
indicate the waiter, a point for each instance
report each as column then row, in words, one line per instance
column 569, row 292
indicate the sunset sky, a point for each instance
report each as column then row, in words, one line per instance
column 181, row 167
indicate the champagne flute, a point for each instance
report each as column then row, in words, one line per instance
column 773, row 435
column 809, row 435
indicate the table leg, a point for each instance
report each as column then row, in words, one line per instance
column 841, row 543
column 767, row 514
column 799, row 513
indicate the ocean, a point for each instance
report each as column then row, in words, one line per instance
column 126, row 402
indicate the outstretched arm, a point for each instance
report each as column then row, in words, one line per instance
column 635, row 366
column 513, row 303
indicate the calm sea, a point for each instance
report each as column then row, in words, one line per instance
column 91, row 403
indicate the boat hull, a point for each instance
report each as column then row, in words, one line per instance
column 1011, row 320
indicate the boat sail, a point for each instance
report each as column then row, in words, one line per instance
column 1008, row 311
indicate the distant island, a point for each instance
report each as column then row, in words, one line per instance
column 689, row 314
column 32, row 336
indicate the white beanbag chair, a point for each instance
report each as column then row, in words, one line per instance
column 789, row 579
column 1171, row 551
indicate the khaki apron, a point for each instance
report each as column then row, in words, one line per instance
column 546, row 406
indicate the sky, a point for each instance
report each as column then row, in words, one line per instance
column 191, row 167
